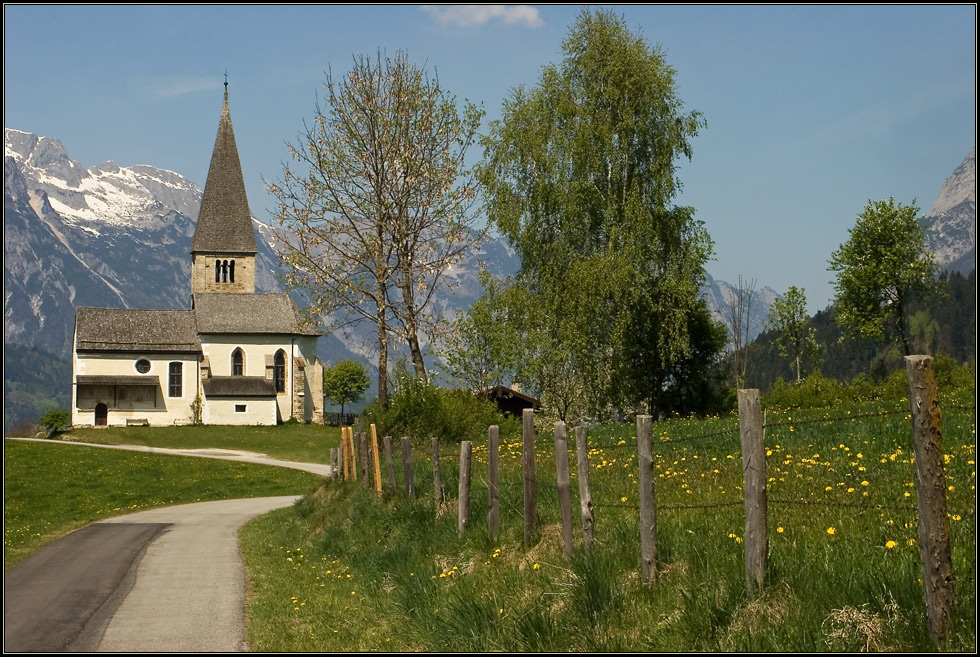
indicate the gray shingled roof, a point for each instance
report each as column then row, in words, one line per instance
column 123, row 329
column 250, row 313
column 224, row 224
column 238, row 386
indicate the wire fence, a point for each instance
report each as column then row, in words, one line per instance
column 755, row 489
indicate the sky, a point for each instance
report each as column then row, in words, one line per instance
column 810, row 110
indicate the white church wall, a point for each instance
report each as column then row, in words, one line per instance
column 240, row 411
column 152, row 402
column 258, row 350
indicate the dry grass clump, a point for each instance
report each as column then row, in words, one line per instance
column 859, row 626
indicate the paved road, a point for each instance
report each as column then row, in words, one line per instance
column 163, row 580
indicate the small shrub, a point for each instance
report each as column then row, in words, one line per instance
column 55, row 421
column 419, row 410
column 814, row 391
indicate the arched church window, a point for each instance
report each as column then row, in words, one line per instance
column 217, row 271
column 279, row 371
column 231, row 271
column 238, row 362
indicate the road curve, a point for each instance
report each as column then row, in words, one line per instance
column 164, row 580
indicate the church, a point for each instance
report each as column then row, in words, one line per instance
column 236, row 357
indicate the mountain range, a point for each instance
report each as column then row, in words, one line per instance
column 119, row 237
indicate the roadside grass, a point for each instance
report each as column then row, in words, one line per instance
column 291, row 442
column 50, row 490
column 347, row 571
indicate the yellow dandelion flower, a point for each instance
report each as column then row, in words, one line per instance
column 779, row 530
column 891, row 545
column 831, row 530
column 864, row 483
column 536, row 566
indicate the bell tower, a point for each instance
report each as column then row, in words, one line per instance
column 224, row 248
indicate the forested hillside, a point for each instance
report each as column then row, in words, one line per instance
column 944, row 324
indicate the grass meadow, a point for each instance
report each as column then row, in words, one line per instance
column 348, row 571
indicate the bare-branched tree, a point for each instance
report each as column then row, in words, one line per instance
column 376, row 202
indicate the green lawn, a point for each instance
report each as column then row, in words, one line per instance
column 50, row 490
column 290, row 442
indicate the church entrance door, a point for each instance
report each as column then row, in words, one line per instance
column 101, row 415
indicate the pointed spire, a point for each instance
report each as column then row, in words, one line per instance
column 224, row 224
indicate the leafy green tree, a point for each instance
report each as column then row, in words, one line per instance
column 377, row 201
column 481, row 351
column 795, row 337
column 882, row 268
column 580, row 176
column 345, row 383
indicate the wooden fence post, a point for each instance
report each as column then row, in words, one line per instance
column 564, row 489
column 377, row 461
column 465, row 452
column 352, row 466
column 752, row 436
column 493, row 451
column 648, row 508
column 407, row 467
column 530, row 505
column 345, row 452
column 927, row 433
column 436, row 483
column 365, row 460
column 584, row 492
column 390, row 465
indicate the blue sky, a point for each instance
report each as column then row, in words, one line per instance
column 810, row 110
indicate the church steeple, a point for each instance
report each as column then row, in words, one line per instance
column 224, row 247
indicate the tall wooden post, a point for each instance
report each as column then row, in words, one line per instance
column 648, row 508
column 754, row 475
column 407, row 467
column 927, row 433
column 530, row 505
column 584, row 492
column 564, row 489
column 390, row 465
column 493, row 451
column 436, row 483
column 344, row 459
column 365, row 460
column 377, row 461
column 465, row 454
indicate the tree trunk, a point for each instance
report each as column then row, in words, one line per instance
column 411, row 324
column 382, row 357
